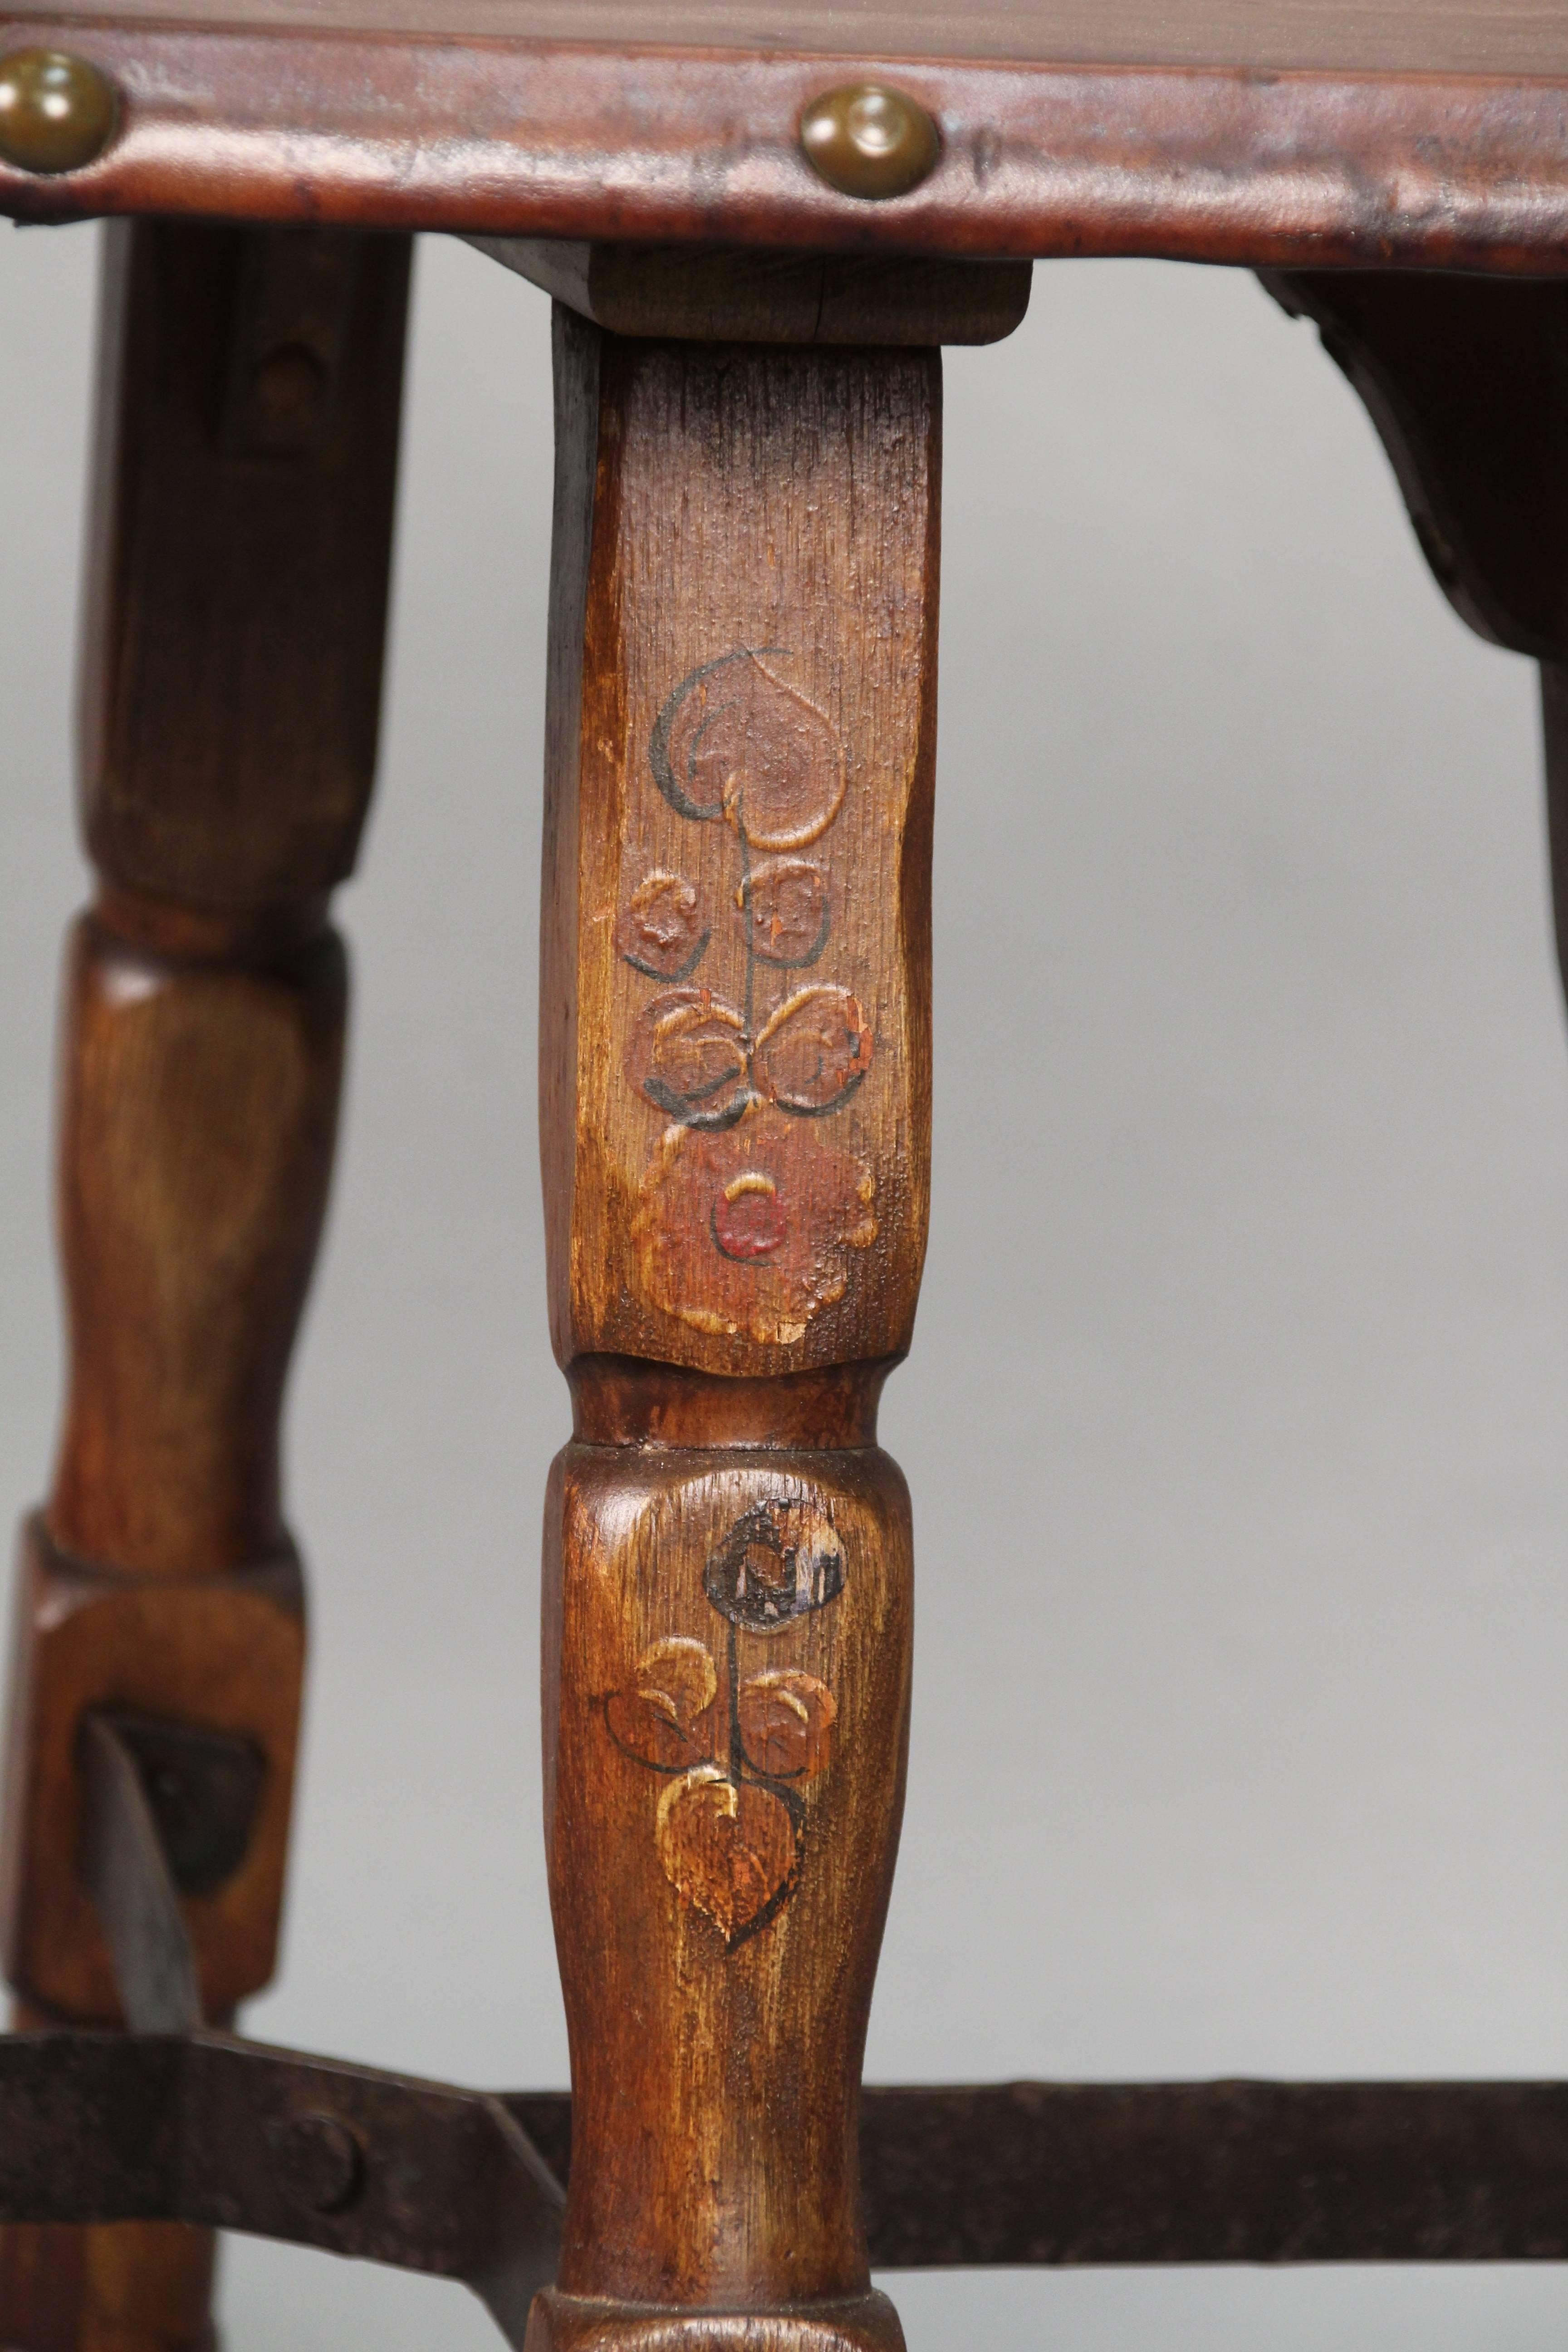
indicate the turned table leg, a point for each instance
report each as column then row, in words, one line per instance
column 735, row 1081
column 247, row 435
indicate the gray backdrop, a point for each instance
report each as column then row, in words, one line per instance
column 1236, row 1419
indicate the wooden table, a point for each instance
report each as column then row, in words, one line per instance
column 758, row 232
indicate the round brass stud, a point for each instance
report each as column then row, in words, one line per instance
column 867, row 140
column 56, row 111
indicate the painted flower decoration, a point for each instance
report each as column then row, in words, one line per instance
column 780, row 1560
column 749, row 1229
column 730, row 1826
column 752, row 1235
column 812, row 1051
column 689, row 1055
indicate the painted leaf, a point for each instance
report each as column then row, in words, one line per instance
column 688, row 1054
column 660, row 929
column 813, row 1050
column 663, row 1715
column 734, row 740
column 728, row 1852
column 784, row 905
column 786, row 1724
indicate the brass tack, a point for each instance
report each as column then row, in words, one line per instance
column 867, row 140
column 56, row 111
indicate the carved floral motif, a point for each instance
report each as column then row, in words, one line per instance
column 729, row 1830
column 751, row 1236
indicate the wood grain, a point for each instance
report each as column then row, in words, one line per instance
column 617, row 1401
column 225, row 1652
column 864, row 2323
column 241, row 547
column 726, row 1695
column 1503, row 37
column 247, row 444
column 72, row 2290
column 734, row 1082
column 707, row 294
column 198, row 1118
column 743, row 692
column 1449, row 167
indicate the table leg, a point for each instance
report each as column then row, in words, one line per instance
column 735, row 1083
column 247, row 434
column 1466, row 380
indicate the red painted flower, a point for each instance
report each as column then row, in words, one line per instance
column 749, row 1229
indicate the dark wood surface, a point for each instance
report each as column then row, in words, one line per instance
column 1492, row 36
column 1466, row 383
column 1291, row 134
column 247, row 420
column 241, row 549
column 730, row 294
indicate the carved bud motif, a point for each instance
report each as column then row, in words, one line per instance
column 779, row 1560
column 784, row 904
column 660, row 930
column 786, row 1724
column 661, row 1718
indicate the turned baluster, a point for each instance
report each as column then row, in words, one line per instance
column 247, row 431
column 735, row 1089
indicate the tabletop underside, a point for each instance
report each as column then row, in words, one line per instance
column 1406, row 134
